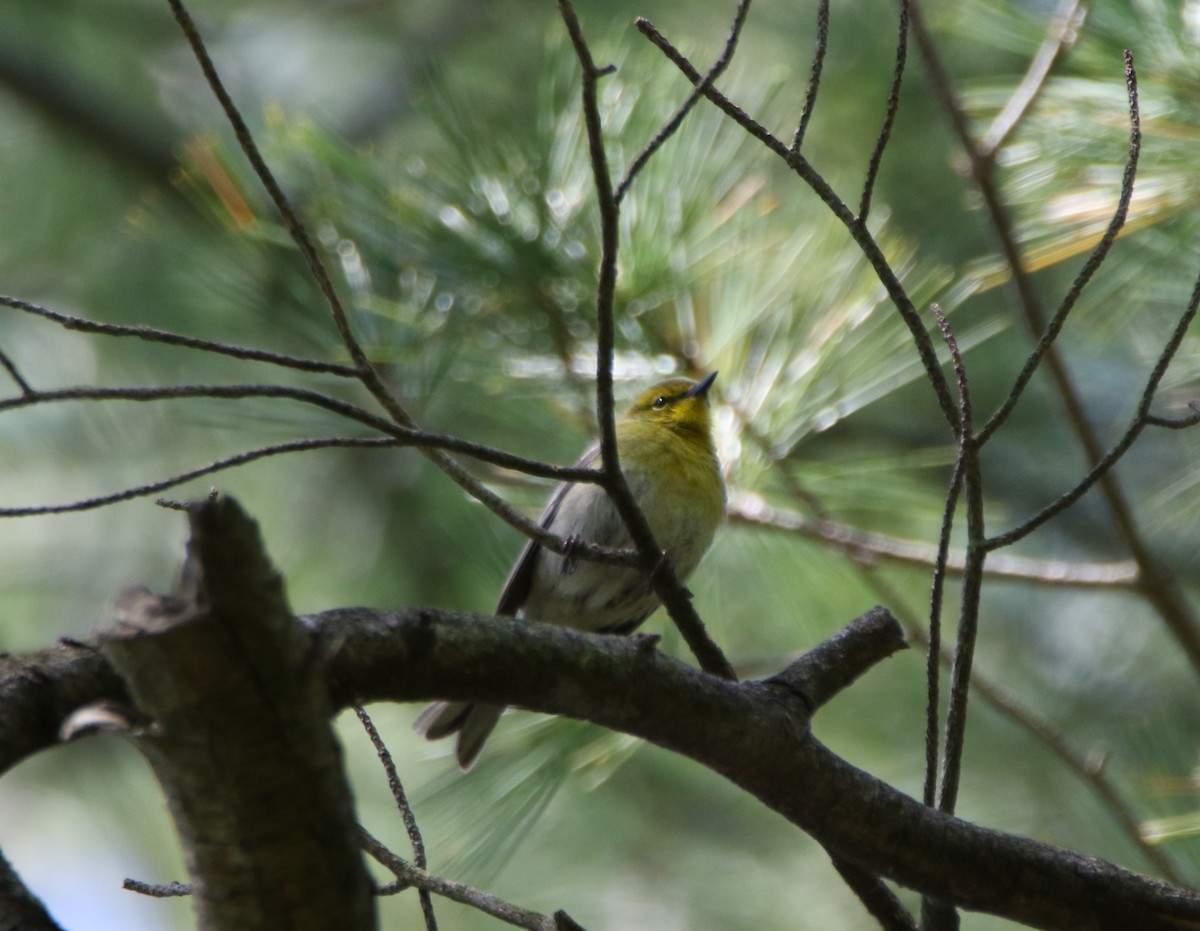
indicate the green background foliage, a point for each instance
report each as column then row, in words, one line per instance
column 437, row 153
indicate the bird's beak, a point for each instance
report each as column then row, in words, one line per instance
column 701, row 388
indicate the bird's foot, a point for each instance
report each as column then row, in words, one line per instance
column 570, row 560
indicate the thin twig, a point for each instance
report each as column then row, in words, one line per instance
column 227, row 462
column 960, row 373
column 1156, row 585
column 609, row 238
column 405, row 436
column 869, row 547
column 9, row 366
column 968, row 629
column 399, row 437
column 673, row 124
column 1093, row 263
column 427, row 443
column 1061, row 35
column 1176, row 423
column 485, row 902
column 880, row 902
column 889, row 119
column 932, row 663
column 990, row 691
column 1079, row 764
column 932, row 656
column 969, row 478
column 534, row 531
column 157, row 890
column 151, row 334
column 814, row 75
column 366, row 373
column 654, row 561
column 363, row 368
column 866, row 242
column 1141, row 420
column 406, row 812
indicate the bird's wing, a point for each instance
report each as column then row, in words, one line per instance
column 516, row 586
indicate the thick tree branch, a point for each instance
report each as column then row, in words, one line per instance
column 19, row 907
column 241, row 739
column 825, row 670
column 755, row 734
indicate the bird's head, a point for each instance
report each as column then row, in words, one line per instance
column 678, row 403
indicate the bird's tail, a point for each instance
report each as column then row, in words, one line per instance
column 472, row 722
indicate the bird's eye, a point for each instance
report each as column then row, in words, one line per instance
column 660, row 403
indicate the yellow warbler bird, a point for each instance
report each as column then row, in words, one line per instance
column 664, row 442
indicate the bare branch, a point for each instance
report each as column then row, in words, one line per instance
column 867, row 548
column 968, row 629
column 222, row 668
column 673, row 124
column 738, row 115
column 654, row 561
column 157, row 890
column 485, row 902
column 1176, row 423
column 880, row 902
column 406, row 436
column 1093, row 263
column 752, row 734
column 362, row 366
column 9, row 366
column 406, row 812
column 399, row 436
column 220, row 465
column 870, row 249
column 814, row 76
column 1140, row 421
column 1167, row 356
column 165, row 337
column 968, row 479
column 531, row 529
column 1156, row 585
column 1094, row 777
column 749, row 732
column 609, row 240
column 960, row 374
column 932, row 655
column 893, row 106
column 833, row 665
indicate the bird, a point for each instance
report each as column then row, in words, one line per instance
column 667, row 455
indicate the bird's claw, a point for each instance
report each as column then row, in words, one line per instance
column 570, row 561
